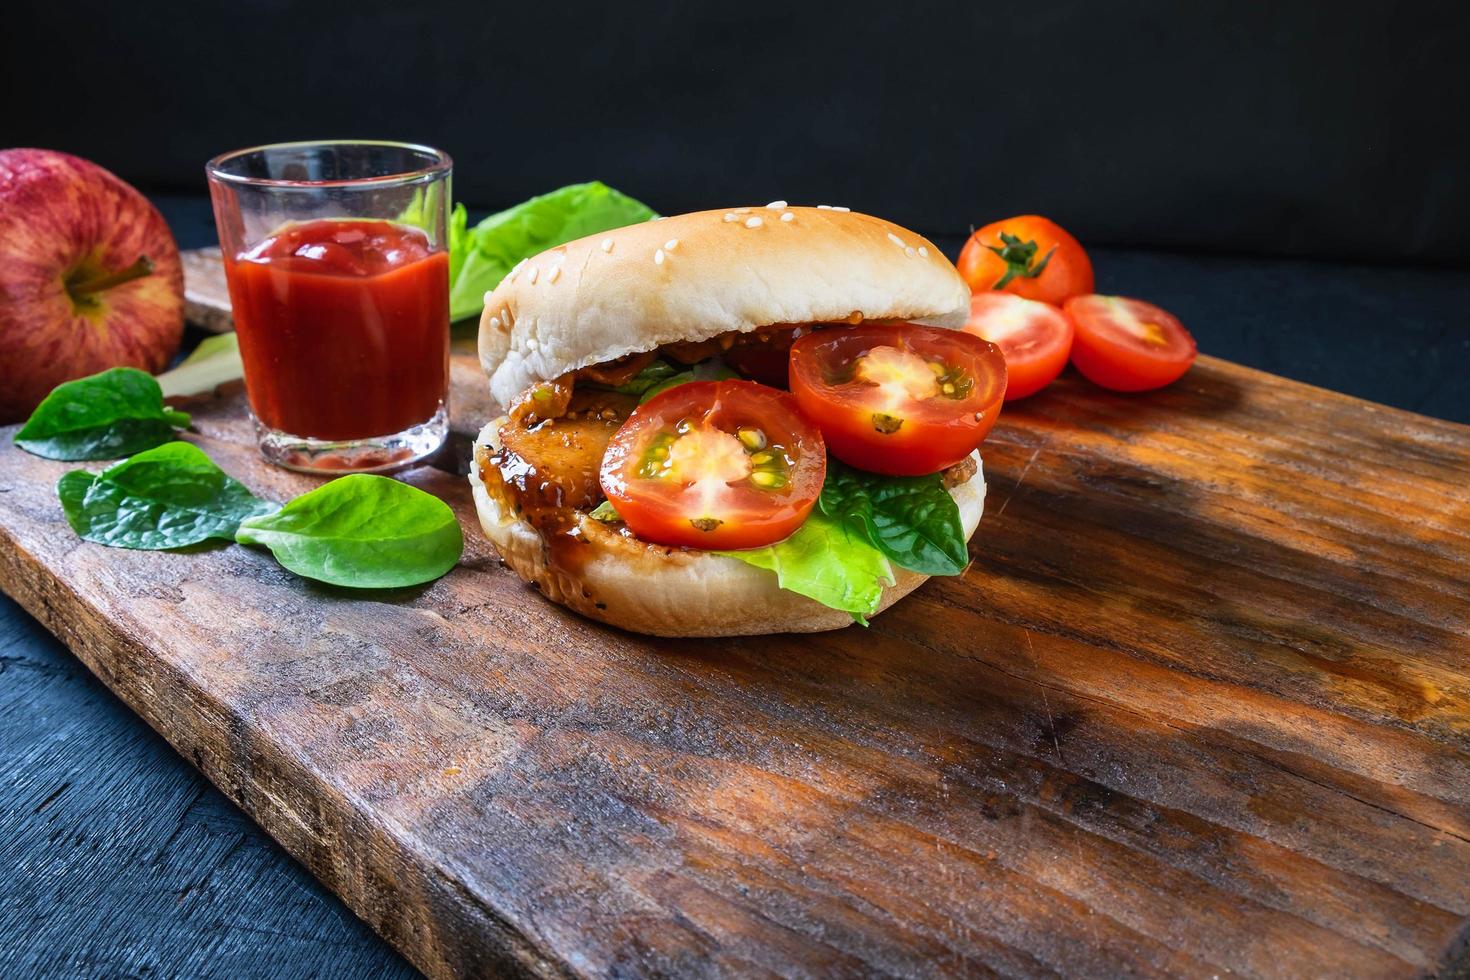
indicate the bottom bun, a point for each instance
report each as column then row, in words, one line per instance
column 663, row 591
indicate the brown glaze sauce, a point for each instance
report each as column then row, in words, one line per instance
column 546, row 469
column 778, row 337
column 960, row 472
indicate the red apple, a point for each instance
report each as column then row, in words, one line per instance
column 89, row 277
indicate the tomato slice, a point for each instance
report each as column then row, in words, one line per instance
column 898, row 398
column 1034, row 337
column 1127, row 344
column 715, row 465
column 1028, row 255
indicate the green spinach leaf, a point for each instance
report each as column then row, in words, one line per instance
column 660, row 375
column 911, row 519
column 827, row 561
column 361, row 531
column 105, row 416
column 458, row 234
column 713, row 369
column 481, row 256
column 166, row 497
column 654, row 373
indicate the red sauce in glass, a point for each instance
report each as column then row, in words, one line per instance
column 343, row 327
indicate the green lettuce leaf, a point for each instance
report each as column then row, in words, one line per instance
column 480, row 257
column 827, row 561
column 215, row 361
column 911, row 519
column 606, row 513
column 422, row 210
column 459, row 242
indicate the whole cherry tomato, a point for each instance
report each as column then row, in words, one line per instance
column 1028, row 255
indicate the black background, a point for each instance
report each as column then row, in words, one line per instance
column 1288, row 178
column 1297, row 128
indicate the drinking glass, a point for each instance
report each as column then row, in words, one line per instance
column 335, row 255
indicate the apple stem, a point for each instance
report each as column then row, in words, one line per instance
column 86, row 287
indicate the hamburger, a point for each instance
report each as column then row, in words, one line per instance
column 732, row 422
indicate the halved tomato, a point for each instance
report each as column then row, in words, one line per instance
column 1028, row 255
column 1034, row 337
column 715, row 465
column 1128, row 345
column 898, row 398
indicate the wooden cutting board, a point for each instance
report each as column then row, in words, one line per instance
column 1201, row 704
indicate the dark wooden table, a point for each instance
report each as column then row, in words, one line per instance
column 116, row 858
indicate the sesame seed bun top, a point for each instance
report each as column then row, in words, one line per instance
column 694, row 276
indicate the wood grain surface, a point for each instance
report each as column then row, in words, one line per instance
column 206, row 297
column 116, row 860
column 1201, row 704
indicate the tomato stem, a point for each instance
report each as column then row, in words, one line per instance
column 1018, row 256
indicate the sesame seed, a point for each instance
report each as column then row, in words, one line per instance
column 536, row 271
column 787, row 216
column 742, row 210
column 909, row 251
column 895, row 239
column 923, row 252
column 495, row 323
column 553, row 275
column 731, row 216
column 607, row 244
column 824, row 207
column 658, row 257
column 838, row 207
column 486, row 298
column 776, row 205
column 753, row 222
column 671, row 244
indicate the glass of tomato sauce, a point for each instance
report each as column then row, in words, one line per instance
column 335, row 254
